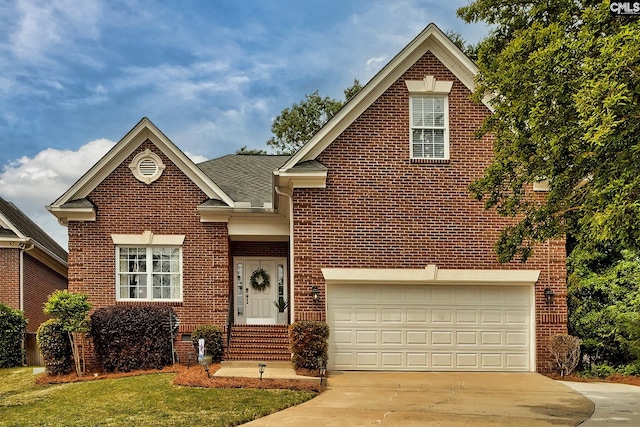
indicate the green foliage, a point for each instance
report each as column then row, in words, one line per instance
column 244, row 151
column 562, row 78
column 308, row 343
column 281, row 304
column 213, row 343
column 55, row 347
column 71, row 309
column 128, row 338
column 13, row 326
column 604, row 302
column 296, row 125
column 469, row 49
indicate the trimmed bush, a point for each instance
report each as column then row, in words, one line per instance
column 308, row 343
column 213, row 344
column 55, row 347
column 128, row 338
column 565, row 353
column 13, row 326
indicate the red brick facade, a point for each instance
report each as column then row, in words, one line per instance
column 39, row 281
column 125, row 205
column 381, row 210
column 10, row 277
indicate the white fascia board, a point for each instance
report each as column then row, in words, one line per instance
column 144, row 130
column 65, row 215
column 429, row 275
column 5, row 223
column 431, row 39
column 288, row 179
column 274, row 227
column 223, row 214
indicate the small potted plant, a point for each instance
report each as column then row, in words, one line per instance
column 282, row 305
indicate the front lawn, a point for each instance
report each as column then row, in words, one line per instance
column 139, row 400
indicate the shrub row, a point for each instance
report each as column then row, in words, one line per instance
column 308, row 343
column 128, row 338
column 12, row 329
column 55, row 347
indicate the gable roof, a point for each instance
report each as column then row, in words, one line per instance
column 15, row 225
column 431, row 39
column 143, row 131
column 245, row 178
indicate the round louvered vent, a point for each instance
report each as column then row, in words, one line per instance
column 147, row 166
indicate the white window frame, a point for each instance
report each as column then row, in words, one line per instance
column 148, row 241
column 149, row 273
column 444, row 128
column 429, row 87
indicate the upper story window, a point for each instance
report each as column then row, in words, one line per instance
column 148, row 267
column 429, row 118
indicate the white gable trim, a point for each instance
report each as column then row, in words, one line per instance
column 431, row 39
column 5, row 223
column 139, row 134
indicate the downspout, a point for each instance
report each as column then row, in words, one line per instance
column 291, row 270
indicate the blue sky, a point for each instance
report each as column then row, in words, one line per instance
column 76, row 76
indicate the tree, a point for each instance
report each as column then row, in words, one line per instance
column 563, row 79
column 244, row 151
column 604, row 303
column 71, row 310
column 297, row 125
column 469, row 49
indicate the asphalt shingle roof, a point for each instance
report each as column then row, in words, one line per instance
column 245, row 178
column 29, row 228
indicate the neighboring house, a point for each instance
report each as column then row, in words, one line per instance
column 369, row 227
column 32, row 267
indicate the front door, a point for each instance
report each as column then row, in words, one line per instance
column 259, row 283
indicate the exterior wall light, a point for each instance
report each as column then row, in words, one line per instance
column 549, row 296
column 261, row 367
column 315, row 293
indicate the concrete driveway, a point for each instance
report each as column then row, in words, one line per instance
column 429, row 398
column 616, row 404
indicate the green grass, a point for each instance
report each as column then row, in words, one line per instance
column 142, row 400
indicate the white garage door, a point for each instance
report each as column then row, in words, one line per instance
column 429, row 327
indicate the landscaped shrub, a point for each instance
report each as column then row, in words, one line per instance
column 12, row 328
column 213, row 344
column 565, row 353
column 308, row 340
column 55, row 347
column 128, row 338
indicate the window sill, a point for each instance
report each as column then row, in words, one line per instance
column 149, row 302
column 430, row 161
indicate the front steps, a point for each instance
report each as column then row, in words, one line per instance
column 259, row 343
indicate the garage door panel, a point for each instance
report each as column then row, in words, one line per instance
column 392, row 315
column 416, row 315
column 418, row 327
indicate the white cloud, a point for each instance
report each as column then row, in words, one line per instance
column 31, row 183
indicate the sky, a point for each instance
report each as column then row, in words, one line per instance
column 76, row 76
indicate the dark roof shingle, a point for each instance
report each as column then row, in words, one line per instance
column 29, row 228
column 245, row 178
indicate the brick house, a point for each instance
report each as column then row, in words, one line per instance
column 32, row 267
column 369, row 227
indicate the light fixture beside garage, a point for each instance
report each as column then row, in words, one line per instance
column 549, row 296
column 315, row 293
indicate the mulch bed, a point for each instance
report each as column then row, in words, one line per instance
column 194, row 376
column 621, row 379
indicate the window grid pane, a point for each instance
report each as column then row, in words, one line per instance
column 162, row 280
column 428, row 125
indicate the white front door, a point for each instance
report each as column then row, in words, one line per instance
column 255, row 305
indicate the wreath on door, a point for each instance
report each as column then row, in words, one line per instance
column 259, row 279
